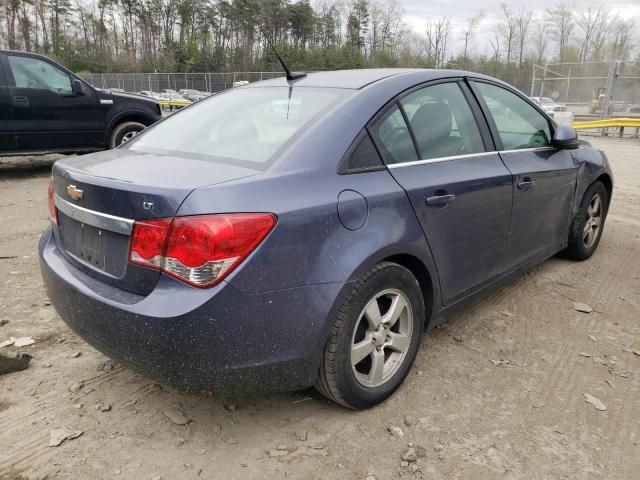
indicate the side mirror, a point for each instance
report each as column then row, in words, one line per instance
column 77, row 87
column 565, row 138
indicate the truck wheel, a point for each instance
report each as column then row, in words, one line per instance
column 124, row 132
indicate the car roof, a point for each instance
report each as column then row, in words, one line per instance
column 357, row 79
column 24, row 54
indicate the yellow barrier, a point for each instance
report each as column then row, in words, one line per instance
column 608, row 122
column 174, row 103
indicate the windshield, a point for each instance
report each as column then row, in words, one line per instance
column 246, row 126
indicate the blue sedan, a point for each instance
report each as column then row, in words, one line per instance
column 303, row 232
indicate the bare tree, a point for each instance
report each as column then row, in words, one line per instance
column 540, row 40
column 11, row 8
column 562, row 23
column 386, row 26
column 587, row 21
column 25, row 24
column 437, row 35
column 469, row 29
column 622, row 37
column 600, row 36
column 413, row 44
column 508, row 28
column 523, row 22
column 495, row 44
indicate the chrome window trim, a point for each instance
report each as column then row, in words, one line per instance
column 100, row 220
column 533, row 149
column 470, row 155
column 440, row 159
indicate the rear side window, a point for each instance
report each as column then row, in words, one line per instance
column 35, row 73
column 518, row 123
column 442, row 122
column 362, row 156
column 392, row 136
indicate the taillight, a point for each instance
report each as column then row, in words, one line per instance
column 148, row 241
column 199, row 250
column 53, row 212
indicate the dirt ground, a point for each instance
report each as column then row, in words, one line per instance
column 498, row 392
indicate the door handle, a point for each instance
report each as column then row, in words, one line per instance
column 20, row 101
column 526, row 183
column 440, row 200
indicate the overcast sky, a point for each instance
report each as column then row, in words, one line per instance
column 416, row 13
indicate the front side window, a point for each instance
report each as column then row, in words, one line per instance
column 519, row 124
column 442, row 122
column 35, row 73
column 246, row 126
column 393, row 137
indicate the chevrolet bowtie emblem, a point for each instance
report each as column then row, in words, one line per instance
column 74, row 192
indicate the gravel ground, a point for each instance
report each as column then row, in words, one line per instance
column 499, row 392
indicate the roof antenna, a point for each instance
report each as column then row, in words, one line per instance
column 290, row 75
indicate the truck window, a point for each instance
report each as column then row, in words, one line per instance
column 31, row 72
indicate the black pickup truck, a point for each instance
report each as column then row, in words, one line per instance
column 46, row 108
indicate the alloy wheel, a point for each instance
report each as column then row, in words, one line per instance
column 593, row 222
column 381, row 338
column 128, row 136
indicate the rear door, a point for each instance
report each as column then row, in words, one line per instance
column 7, row 134
column 47, row 113
column 544, row 177
column 438, row 148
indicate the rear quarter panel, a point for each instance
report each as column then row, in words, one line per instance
column 309, row 244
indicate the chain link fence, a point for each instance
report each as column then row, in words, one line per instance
column 603, row 88
column 213, row 82
column 588, row 90
column 591, row 90
column 156, row 82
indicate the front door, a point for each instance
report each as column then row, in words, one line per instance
column 47, row 113
column 459, row 188
column 544, row 178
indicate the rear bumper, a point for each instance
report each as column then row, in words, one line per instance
column 218, row 339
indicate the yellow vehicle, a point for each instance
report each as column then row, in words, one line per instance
column 597, row 103
column 173, row 100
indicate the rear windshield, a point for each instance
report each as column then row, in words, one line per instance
column 247, row 126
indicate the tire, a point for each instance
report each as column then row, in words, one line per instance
column 582, row 245
column 386, row 286
column 123, row 132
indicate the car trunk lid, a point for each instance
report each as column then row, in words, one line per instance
column 100, row 196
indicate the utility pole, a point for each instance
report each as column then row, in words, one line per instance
column 614, row 72
column 544, row 75
column 533, row 80
column 566, row 96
